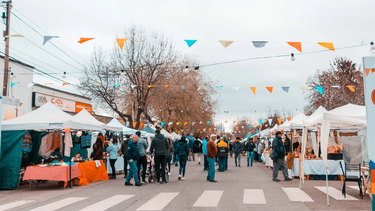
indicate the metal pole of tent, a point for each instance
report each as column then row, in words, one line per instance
column 70, row 169
column 327, row 188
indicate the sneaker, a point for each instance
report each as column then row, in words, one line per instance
column 169, row 173
column 208, row 179
column 144, row 183
column 179, row 177
column 125, row 176
column 288, row 179
column 199, row 163
column 183, row 178
column 276, row 180
column 213, row 181
column 162, row 182
column 239, row 165
column 128, row 184
column 138, row 184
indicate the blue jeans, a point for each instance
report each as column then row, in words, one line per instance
column 250, row 155
column 133, row 172
column 175, row 159
column 211, row 168
column 260, row 157
column 182, row 169
column 205, row 163
column 222, row 163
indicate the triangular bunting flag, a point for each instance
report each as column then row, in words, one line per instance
column 279, row 119
column 320, row 89
column 116, row 85
column 170, row 123
column 185, row 123
column 242, row 127
column 367, row 71
column 225, row 121
column 183, row 87
column 208, row 122
column 190, row 42
column 288, row 118
column 134, row 123
column 15, row 83
column 200, row 87
column 121, row 41
column 351, row 88
column 65, row 84
column 48, row 38
column 209, row 129
column 234, row 122
column 30, row 85
column 219, row 86
column 253, row 89
column 97, row 84
column 193, row 123
column 303, row 88
column 162, row 124
column 261, row 126
column 259, row 44
column 286, row 89
column 84, row 39
column 328, row 45
column 270, row 89
column 141, row 125
column 296, row 45
column 236, row 128
column 150, row 86
column 260, row 121
column 225, row 43
column 167, row 85
column 373, row 70
column 236, row 88
column 133, row 86
column 177, row 123
column 249, row 126
column 269, row 122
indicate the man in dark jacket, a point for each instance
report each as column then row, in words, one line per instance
column 278, row 147
column 132, row 153
column 237, row 148
column 124, row 147
column 160, row 145
column 197, row 149
column 250, row 146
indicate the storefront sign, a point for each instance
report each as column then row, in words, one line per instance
column 63, row 104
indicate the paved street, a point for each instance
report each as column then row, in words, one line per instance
column 245, row 188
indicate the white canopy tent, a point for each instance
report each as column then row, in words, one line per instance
column 115, row 123
column 47, row 117
column 265, row 132
column 164, row 132
column 176, row 136
column 85, row 116
column 295, row 123
column 275, row 128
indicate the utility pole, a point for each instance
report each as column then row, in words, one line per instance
column 6, row 57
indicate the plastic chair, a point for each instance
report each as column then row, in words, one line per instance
column 352, row 169
column 366, row 164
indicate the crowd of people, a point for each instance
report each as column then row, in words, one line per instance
column 213, row 149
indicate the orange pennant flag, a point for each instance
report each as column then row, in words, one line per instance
column 270, row 88
column 288, row 118
column 121, row 41
column 373, row 70
column 225, row 121
column 253, row 89
column 236, row 128
column 176, row 131
column 167, row 85
column 149, row 86
column 185, row 123
column 279, row 119
column 141, row 126
column 328, row 45
column 282, row 131
column 177, row 123
column 209, row 129
column 134, row 123
column 199, row 129
column 64, row 84
column 84, row 39
column 367, row 71
column 48, row 84
column 296, row 45
column 261, row 126
column 234, row 122
column 351, row 88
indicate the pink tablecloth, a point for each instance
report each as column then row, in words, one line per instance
column 55, row 173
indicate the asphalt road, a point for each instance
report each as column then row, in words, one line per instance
column 245, row 188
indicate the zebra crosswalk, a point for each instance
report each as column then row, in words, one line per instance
column 208, row 198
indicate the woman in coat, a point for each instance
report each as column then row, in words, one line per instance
column 182, row 152
column 170, row 153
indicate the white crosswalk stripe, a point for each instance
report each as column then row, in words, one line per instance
column 159, row 201
column 355, row 187
column 14, row 204
column 254, row 196
column 296, row 194
column 336, row 194
column 107, row 203
column 209, row 198
column 59, row 204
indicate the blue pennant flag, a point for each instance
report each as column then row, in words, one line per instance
column 286, row 89
column 12, row 84
column 183, row 87
column 260, row 121
column 249, row 126
column 162, row 124
column 320, row 89
column 259, row 44
column 208, row 122
column 219, row 86
column 190, row 42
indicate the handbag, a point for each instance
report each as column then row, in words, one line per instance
column 273, row 155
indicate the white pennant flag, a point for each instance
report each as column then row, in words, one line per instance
column 30, row 85
column 236, row 88
column 270, row 121
column 170, row 123
column 132, row 86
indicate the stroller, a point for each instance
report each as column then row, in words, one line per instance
column 151, row 172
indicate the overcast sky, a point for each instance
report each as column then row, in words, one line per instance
column 345, row 23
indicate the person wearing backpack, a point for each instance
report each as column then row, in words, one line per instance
column 279, row 162
column 222, row 154
column 197, row 149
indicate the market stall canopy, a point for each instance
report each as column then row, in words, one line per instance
column 275, row 128
column 164, row 132
column 47, row 117
column 265, row 132
column 310, row 120
column 149, row 130
column 115, row 123
column 85, row 116
column 175, row 135
column 295, row 123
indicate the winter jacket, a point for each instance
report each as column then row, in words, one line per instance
column 237, row 147
column 204, row 147
column 132, row 153
column 211, row 149
column 124, row 146
column 249, row 146
column 142, row 146
column 170, row 152
column 159, row 144
column 112, row 150
column 182, row 148
column 278, row 146
column 175, row 145
column 197, row 146
column 260, row 148
column 191, row 144
column 222, row 149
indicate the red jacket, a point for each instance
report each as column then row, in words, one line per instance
column 211, row 149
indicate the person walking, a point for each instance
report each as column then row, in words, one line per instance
column 132, row 153
column 211, row 154
column 112, row 149
column 260, row 150
column 197, row 150
column 250, row 147
column 160, row 145
column 222, row 154
column 170, row 153
column 278, row 147
column 142, row 160
column 182, row 152
column 204, row 150
column 237, row 148
column 231, row 149
column 175, row 157
column 124, row 147
column 286, row 144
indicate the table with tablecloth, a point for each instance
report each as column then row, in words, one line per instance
column 92, row 172
column 54, row 173
column 119, row 165
column 317, row 167
column 267, row 160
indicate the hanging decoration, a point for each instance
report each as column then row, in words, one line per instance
column 116, row 85
column 134, row 123
column 259, row 44
column 289, row 118
column 320, row 89
column 253, row 89
column 97, row 84
column 190, row 42
column 193, row 123
column 327, row 45
column 351, row 88
column 225, row 43
column 234, row 122
column 13, row 84
column 30, row 85
column 150, row 86
column 185, row 123
column 177, row 123
column 219, row 87
column 133, row 86
column 225, row 121
column 84, row 39
column 65, row 84
column 48, row 38
column 162, row 124
column 141, row 125
column 121, row 42
column 270, row 121
column 200, row 87
column 167, row 86
column 236, row 128
column 296, row 45
column 249, row 126
column 279, row 119
column 304, row 89
column 208, row 122
column 170, row 123
column 286, row 89
column 183, row 87
column 260, row 121
column 270, row 89
column 236, row 88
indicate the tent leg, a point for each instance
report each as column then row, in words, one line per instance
column 70, row 169
column 327, row 189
